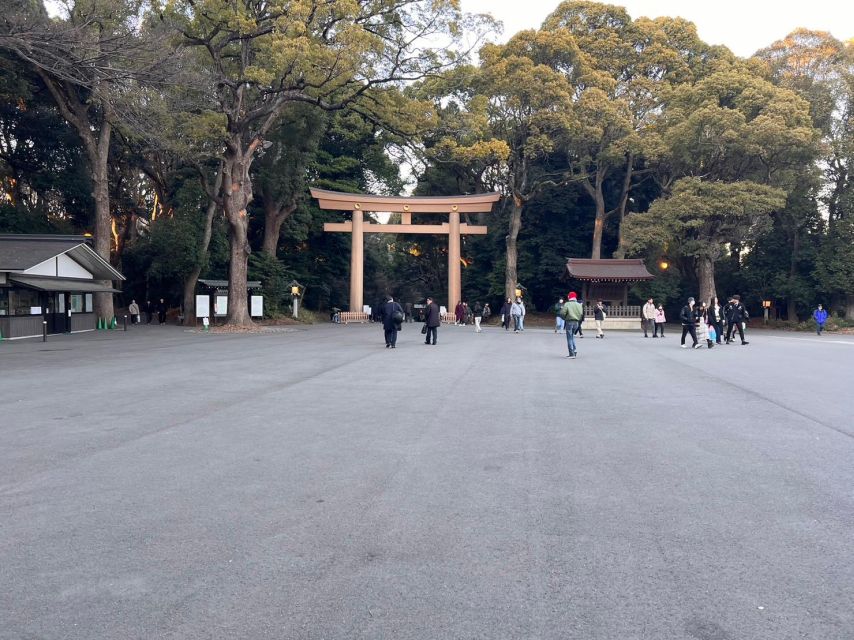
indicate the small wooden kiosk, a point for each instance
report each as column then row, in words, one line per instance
column 609, row 280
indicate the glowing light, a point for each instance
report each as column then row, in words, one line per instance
column 664, row 265
column 154, row 209
column 115, row 233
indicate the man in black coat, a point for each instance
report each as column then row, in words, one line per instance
column 432, row 319
column 735, row 315
column 688, row 317
column 392, row 315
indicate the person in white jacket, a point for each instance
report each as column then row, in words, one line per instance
column 133, row 310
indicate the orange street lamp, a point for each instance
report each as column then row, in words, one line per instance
column 664, row 265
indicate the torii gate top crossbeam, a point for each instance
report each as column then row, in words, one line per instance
column 340, row 201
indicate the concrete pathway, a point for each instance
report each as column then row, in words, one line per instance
column 313, row 485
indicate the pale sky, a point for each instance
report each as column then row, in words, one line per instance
column 742, row 25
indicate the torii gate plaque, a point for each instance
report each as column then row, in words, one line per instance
column 359, row 203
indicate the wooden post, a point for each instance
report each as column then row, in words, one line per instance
column 454, row 270
column 357, row 261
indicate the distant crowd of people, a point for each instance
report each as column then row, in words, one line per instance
column 707, row 324
column 149, row 309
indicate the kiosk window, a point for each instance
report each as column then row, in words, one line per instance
column 77, row 303
column 22, row 300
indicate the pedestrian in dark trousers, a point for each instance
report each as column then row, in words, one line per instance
column 432, row 319
column 161, row 311
column 715, row 316
column 505, row 314
column 735, row 315
column 688, row 318
column 820, row 317
column 148, row 311
column 572, row 313
column 578, row 330
column 648, row 318
column 392, row 315
column 660, row 320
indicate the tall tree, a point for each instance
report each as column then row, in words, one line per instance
column 699, row 219
column 87, row 60
column 337, row 55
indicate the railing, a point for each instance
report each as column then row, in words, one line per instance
column 616, row 311
column 449, row 318
column 353, row 316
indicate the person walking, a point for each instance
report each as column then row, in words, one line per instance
column 148, row 308
column 432, row 320
column 392, row 317
column 133, row 310
column 660, row 321
column 487, row 312
column 736, row 316
column 459, row 313
column 478, row 316
column 820, row 317
column 599, row 316
column 688, row 319
column 572, row 313
column 558, row 319
column 516, row 312
column 578, row 330
column 648, row 314
column 505, row 314
column 715, row 318
column 161, row 311
column 701, row 320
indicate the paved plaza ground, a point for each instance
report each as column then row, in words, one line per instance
column 310, row 484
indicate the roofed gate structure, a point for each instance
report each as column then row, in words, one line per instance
column 608, row 280
column 358, row 204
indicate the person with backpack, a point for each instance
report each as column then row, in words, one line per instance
column 392, row 317
column 820, row 317
column 572, row 314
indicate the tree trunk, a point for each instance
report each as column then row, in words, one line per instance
column 193, row 278
column 595, row 192
column 511, row 278
column 791, row 304
column 275, row 215
column 620, row 253
column 706, row 277
column 103, row 228
column 237, row 194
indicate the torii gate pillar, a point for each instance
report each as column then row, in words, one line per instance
column 357, row 261
column 455, row 278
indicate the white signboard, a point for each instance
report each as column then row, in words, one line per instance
column 203, row 306
column 221, row 306
column 443, row 310
column 366, row 309
column 35, row 311
column 256, row 304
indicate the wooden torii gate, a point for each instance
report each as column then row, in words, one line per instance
column 358, row 204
